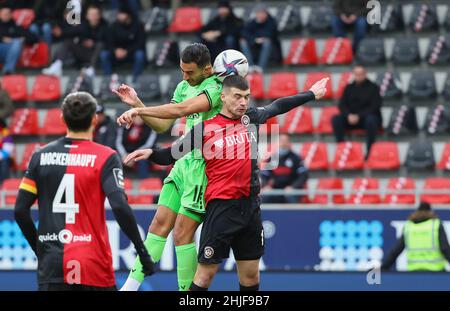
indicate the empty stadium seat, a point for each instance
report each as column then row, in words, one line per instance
column 348, row 156
column 403, row 120
column 337, row 51
column 46, row 88
column 149, row 184
column 24, row 122
column 26, row 155
column 371, row 51
column 423, row 18
column 345, row 79
column 383, row 156
column 391, row 19
column 446, row 23
column 439, row 50
column 256, row 81
column 390, row 85
column 298, row 121
column 313, row 77
column 440, row 185
column 406, row 51
column 147, row 86
column 360, row 186
column 326, row 115
column 16, row 86
column 268, row 127
column 302, row 52
column 186, row 19
column 107, row 84
column 166, row 54
column 156, row 20
column 420, row 155
column 329, row 184
column 289, row 20
column 34, row 56
column 437, row 120
column 422, row 85
column 315, row 155
column 446, row 91
column 53, row 125
column 444, row 163
column 80, row 83
column 400, row 184
column 320, row 19
column 23, row 17
column 12, row 187
column 282, row 84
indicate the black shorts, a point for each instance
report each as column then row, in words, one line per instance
column 73, row 287
column 234, row 224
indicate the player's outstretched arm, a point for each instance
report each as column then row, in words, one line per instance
column 23, row 218
column 129, row 96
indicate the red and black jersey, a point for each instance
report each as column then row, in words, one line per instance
column 230, row 148
column 71, row 179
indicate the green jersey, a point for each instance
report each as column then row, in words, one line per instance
column 211, row 87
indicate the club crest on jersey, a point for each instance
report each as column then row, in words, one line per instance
column 209, row 252
column 245, row 120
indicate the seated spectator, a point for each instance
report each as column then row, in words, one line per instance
column 350, row 13
column 6, row 149
column 106, row 129
column 6, row 104
column 289, row 174
column 85, row 46
column 138, row 136
column 12, row 39
column 260, row 39
column 222, row 32
column 360, row 108
column 46, row 12
column 125, row 43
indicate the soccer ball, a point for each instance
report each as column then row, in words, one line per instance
column 230, row 62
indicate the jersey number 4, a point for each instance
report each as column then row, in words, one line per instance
column 66, row 189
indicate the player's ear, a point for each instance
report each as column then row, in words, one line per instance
column 94, row 120
column 222, row 96
column 208, row 70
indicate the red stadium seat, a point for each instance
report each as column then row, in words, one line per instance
column 329, row 184
column 26, row 155
column 132, row 198
column 35, row 56
column 53, row 124
column 436, row 184
column 444, row 163
column 46, row 88
column 315, row 155
column 326, row 115
column 148, row 184
column 302, row 52
column 400, row 184
column 23, row 17
column 344, row 80
column 187, row 19
column 348, row 156
column 12, row 186
column 16, row 87
column 337, row 51
column 383, row 156
column 313, row 77
column 282, row 84
column 256, row 81
column 268, row 127
column 298, row 121
column 360, row 185
column 24, row 122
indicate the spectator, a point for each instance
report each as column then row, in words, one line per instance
column 46, row 12
column 134, row 5
column 6, row 149
column 6, row 104
column 85, row 46
column 425, row 240
column 125, row 43
column 289, row 174
column 360, row 108
column 12, row 39
column 259, row 39
column 106, row 129
column 138, row 136
column 350, row 13
column 222, row 32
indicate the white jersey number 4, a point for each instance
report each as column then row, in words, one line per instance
column 70, row 208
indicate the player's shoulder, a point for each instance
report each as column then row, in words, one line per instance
column 52, row 146
column 102, row 149
column 212, row 81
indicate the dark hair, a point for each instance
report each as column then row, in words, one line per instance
column 78, row 109
column 196, row 53
column 235, row 81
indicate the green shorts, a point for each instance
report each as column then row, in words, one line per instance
column 184, row 188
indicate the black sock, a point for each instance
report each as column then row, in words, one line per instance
column 196, row 288
column 252, row 288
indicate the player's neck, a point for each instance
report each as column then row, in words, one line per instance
column 80, row 135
